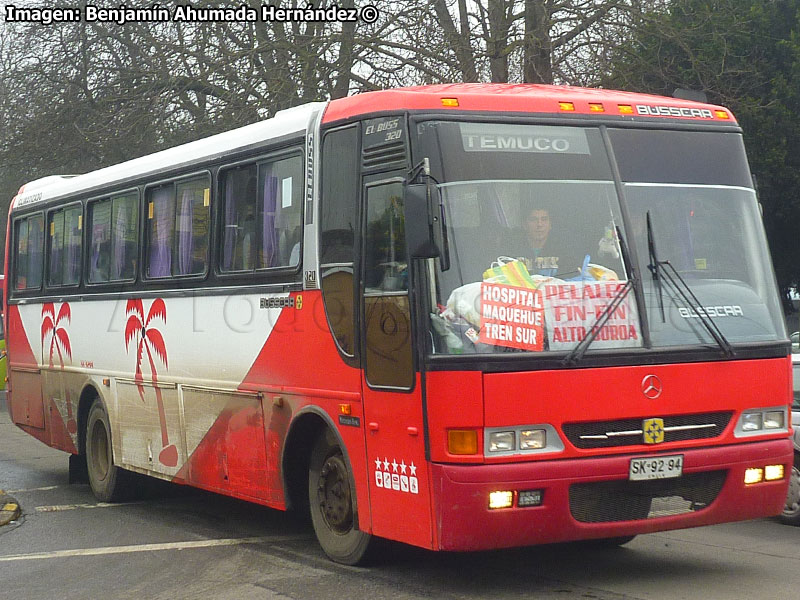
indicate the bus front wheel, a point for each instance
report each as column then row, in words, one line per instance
column 333, row 505
column 791, row 512
column 108, row 482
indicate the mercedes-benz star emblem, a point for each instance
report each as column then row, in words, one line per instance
column 652, row 387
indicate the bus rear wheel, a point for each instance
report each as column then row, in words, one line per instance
column 109, row 483
column 333, row 505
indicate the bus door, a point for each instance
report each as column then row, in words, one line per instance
column 393, row 412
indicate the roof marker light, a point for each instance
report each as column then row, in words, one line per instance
column 568, row 106
column 449, row 101
column 625, row 109
column 721, row 114
column 596, row 107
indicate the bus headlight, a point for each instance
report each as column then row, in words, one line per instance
column 751, row 421
column 774, row 420
column 501, row 441
column 521, row 440
column 531, row 439
column 761, row 421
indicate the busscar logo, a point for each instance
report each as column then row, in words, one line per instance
column 711, row 311
column 674, row 111
column 277, row 303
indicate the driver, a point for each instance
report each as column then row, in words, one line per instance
column 539, row 251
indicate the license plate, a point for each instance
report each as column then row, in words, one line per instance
column 658, row 467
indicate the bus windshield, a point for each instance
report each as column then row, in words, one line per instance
column 546, row 227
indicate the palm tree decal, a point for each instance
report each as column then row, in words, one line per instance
column 150, row 341
column 59, row 340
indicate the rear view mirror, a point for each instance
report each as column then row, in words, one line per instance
column 419, row 232
column 424, row 223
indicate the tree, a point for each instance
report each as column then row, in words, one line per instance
column 78, row 96
column 744, row 54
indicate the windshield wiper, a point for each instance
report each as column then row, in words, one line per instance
column 689, row 298
column 653, row 266
column 576, row 354
column 670, row 274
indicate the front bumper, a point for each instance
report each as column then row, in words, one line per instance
column 464, row 521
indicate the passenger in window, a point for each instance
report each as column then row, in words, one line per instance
column 543, row 253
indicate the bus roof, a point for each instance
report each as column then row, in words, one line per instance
column 524, row 98
column 479, row 97
column 284, row 123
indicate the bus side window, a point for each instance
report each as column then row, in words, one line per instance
column 99, row 240
column 64, row 247
column 387, row 314
column 279, row 212
column 113, row 238
column 238, row 219
column 192, row 228
column 262, row 215
column 178, row 228
column 124, row 236
column 337, row 232
column 30, row 252
column 160, row 230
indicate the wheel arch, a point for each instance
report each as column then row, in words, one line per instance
column 305, row 428
column 89, row 394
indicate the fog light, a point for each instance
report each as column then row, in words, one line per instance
column 501, row 441
column 532, row 439
column 530, row 498
column 774, row 420
column 501, row 499
column 753, row 475
column 773, row 472
column 751, row 421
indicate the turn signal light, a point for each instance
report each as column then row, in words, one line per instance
column 462, row 441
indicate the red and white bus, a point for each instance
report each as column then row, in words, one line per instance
column 350, row 309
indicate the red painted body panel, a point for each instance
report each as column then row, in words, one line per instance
column 575, row 395
column 300, row 364
column 231, row 457
column 24, row 392
column 57, row 428
column 20, row 353
column 517, row 98
column 464, row 521
column 397, row 470
column 455, row 401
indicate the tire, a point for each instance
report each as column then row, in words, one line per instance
column 109, row 483
column 332, row 503
column 791, row 511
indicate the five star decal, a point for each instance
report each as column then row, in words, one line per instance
column 397, row 476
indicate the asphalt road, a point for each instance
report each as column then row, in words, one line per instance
column 178, row 543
